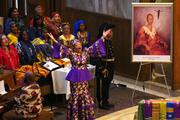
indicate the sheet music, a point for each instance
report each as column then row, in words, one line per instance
column 2, row 88
column 66, row 59
column 50, row 65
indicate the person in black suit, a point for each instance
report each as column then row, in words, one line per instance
column 104, row 68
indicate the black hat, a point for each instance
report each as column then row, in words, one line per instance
column 104, row 27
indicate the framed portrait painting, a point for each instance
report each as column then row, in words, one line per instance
column 152, row 32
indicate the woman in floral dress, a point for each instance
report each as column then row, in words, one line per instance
column 80, row 105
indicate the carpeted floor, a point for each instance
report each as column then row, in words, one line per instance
column 119, row 96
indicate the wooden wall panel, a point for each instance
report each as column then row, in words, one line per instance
column 3, row 7
column 48, row 5
column 176, row 64
column 60, row 5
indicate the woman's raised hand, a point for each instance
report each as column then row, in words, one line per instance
column 106, row 33
column 52, row 37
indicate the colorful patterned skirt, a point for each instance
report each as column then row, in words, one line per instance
column 80, row 104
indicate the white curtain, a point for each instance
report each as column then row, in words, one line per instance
column 118, row 8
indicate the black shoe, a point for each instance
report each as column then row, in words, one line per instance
column 104, row 107
column 110, row 105
column 106, row 103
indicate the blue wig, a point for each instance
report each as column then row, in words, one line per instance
column 77, row 25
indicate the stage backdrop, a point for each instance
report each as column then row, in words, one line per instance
column 152, row 32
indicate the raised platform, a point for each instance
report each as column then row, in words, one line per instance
column 125, row 114
column 150, row 87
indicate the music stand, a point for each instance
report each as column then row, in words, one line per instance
column 51, row 66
